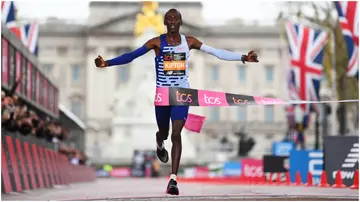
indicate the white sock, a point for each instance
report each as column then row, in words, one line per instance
column 160, row 147
column 173, row 176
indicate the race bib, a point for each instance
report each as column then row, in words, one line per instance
column 174, row 64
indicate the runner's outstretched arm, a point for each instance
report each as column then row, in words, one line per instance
column 219, row 53
column 126, row 57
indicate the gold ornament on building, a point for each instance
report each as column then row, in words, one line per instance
column 149, row 18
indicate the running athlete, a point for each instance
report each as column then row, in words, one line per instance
column 172, row 52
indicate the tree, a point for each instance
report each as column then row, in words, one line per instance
column 324, row 14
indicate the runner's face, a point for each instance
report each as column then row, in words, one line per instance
column 172, row 21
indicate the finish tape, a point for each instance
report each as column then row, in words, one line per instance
column 192, row 97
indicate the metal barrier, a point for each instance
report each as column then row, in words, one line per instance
column 29, row 163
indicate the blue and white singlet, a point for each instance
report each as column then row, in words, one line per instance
column 172, row 64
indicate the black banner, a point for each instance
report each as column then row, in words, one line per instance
column 183, row 96
column 341, row 153
column 194, row 97
column 274, row 165
column 234, row 99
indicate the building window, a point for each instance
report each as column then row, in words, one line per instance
column 269, row 113
column 242, row 73
column 214, row 113
column 123, row 71
column 89, row 49
column 47, row 48
column 215, row 73
column 269, row 71
column 123, row 74
column 241, row 113
column 122, row 50
column 62, row 51
column 109, row 132
column 76, row 107
column 47, row 68
column 75, row 73
column 269, row 136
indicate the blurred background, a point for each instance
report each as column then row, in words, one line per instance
column 104, row 118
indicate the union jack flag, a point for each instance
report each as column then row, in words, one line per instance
column 306, row 46
column 28, row 33
column 8, row 12
column 349, row 21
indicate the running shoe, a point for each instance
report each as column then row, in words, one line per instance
column 162, row 154
column 172, row 188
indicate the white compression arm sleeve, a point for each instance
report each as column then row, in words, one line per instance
column 221, row 54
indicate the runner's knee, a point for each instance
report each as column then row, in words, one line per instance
column 175, row 137
column 162, row 134
column 176, row 130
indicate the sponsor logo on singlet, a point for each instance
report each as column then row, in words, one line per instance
column 175, row 64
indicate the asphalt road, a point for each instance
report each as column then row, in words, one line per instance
column 154, row 190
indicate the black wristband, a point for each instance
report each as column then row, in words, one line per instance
column 243, row 58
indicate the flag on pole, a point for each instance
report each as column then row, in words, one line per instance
column 8, row 13
column 349, row 21
column 306, row 47
column 28, row 33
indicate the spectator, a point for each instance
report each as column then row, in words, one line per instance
column 64, row 134
column 63, row 149
column 40, row 129
column 50, row 131
column 83, row 158
column 156, row 168
column 9, row 113
column 34, row 122
column 17, row 117
column 24, row 121
column 75, row 157
column 2, row 95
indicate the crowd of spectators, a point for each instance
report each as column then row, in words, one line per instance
column 17, row 117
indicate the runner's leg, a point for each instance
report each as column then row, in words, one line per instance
column 178, row 117
column 163, row 120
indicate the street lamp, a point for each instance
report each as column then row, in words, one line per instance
column 325, row 94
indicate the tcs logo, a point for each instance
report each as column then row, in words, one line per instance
column 239, row 101
column 183, row 97
column 211, row 100
column 158, row 97
column 253, row 171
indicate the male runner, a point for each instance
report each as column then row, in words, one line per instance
column 172, row 51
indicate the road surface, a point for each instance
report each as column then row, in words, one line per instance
column 154, row 189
